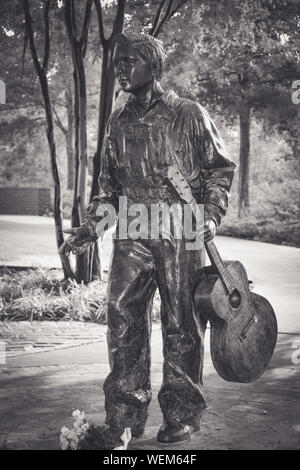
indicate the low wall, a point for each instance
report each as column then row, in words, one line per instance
column 25, row 201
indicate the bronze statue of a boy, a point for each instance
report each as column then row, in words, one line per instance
column 153, row 130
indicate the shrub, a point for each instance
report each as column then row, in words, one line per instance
column 264, row 230
column 40, row 294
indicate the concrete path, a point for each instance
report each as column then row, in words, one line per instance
column 30, row 241
column 25, row 337
column 275, row 269
column 39, row 392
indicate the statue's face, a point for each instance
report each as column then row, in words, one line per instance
column 132, row 70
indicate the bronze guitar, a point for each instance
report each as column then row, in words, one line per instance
column 243, row 324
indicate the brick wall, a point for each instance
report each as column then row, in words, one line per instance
column 25, row 201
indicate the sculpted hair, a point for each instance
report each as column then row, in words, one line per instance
column 149, row 47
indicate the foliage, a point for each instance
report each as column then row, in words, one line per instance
column 22, row 152
column 41, row 295
column 240, row 61
column 257, row 40
column 274, row 190
column 259, row 229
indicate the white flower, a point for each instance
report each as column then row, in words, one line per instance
column 73, row 444
column 69, row 438
column 76, row 426
column 76, row 413
column 85, row 427
column 64, row 444
column 82, row 430
column 72, row 434
column 64, row 431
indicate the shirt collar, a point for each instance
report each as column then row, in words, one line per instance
column 131, row 103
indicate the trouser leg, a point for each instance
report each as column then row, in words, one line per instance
column 181, row 396
column 131, row 288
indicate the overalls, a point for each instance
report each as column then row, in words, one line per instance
column 138, row 149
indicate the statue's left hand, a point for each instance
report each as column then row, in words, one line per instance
column 210, row 229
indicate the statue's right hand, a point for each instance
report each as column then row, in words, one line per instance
column 77, row 243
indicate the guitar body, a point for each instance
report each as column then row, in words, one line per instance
column 243, row 337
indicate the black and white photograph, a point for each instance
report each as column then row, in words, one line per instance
column 149, row 228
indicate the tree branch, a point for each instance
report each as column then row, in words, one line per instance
column 58, row 122
column 100, row 21
column 70, row 22
column 165, row 11
column 59, row 103
column 29, row 35
column 168, row 12
column 26, row 37
column 28, row 21
column 86, row 25
column 47, row 6
column 119, row 20
column 73, row 18
column 157, row 17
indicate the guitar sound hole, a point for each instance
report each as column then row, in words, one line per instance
column 235, row 299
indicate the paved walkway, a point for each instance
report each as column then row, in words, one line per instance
column 31, row 241
column 25, row 337
column 38, row 393
column 275, row 269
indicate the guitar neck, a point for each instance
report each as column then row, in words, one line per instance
column 217, row 261
column 215, row 257
column 178, row 183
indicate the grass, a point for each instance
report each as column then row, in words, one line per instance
column 40, row 294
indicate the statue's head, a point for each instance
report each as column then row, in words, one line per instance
column 138, row 60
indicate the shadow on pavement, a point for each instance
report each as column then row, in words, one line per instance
column 37, row 401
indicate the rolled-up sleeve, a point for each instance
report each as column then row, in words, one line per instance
column 109, row 188
column 216, row 169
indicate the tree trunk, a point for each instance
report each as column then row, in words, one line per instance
column 105, row 107
column 57, row 193
column 81, row 260
column 243, row 201
column 106, row 97
column 41, row 70
column 92, row 268
column 75, row 214
column 82, row 140
column 78, row 47
column 82, row 265
column 69, row 139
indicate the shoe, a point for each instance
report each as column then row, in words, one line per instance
column 169, row 433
